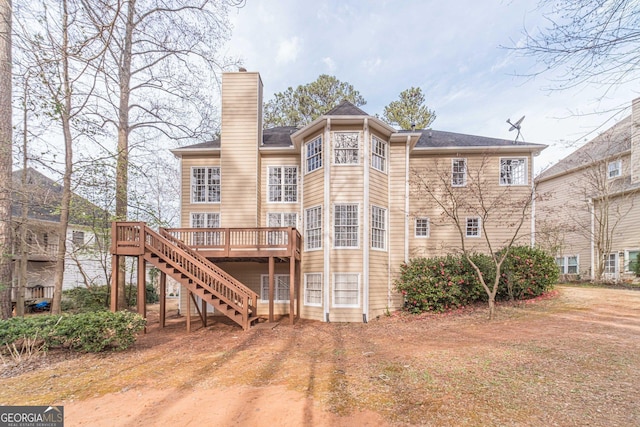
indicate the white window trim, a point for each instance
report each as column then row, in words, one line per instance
column 385, row 230
column 618, row 168
column 627, row 260
column 309, row 304
column 384, row 158
column 333, row 291
column 304, row 230
column 333, row 222
column 525, row 174
column 466, row 170
column 191, row 184
column 282, row 184
column 415, row 227
column 306, row 154
column 466, row 223
column 333, row 149
column 203, row 213
column 281, row 217
column 275, row 284
column 565, row 263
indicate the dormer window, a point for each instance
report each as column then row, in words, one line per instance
column 615, row 168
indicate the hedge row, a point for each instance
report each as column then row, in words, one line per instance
column 449, row 282
column 85, row 332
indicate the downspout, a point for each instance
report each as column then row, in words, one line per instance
column 592, row 237
column 406, row 201
column 533, row 205
column 366, row 225
column 326, row 212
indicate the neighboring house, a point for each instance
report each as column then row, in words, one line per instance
column 344, row 181
column 588, row 206
column 87, row 257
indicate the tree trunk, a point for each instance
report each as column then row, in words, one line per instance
column 5, row 159
column 122, row 165
column 68, row 169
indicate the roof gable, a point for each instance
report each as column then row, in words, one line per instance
column 345, row 108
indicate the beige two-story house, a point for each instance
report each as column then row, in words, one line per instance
column 589, row 205
column 347, row 182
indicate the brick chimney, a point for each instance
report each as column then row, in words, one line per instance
column 635, row 141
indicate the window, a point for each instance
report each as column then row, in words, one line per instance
column 473, row 227
column 314, row 154
column 632, row 260
column 77, row 237
column 205, row 185
column 346, row 290
column 513, row 171
column 458, row 172
column 284, row 219
column 378, row 154
column 611, row 263
column 567, row 264
column 422, row 227
column 280, row 288
column 378, row 227
column 345, row 226
column 283, row 184
column 615, row 168
column 313, row 289
column 346, row 148
column 313, row 228
column 206, row 220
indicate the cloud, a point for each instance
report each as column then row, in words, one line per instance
column 288, row 50
column 330, row 63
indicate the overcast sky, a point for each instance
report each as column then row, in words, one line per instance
column 450, row 49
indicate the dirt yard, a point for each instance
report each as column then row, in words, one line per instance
column 569, row 360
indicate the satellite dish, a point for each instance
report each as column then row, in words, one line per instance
column 517, row 125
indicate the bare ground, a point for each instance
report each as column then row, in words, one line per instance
column 569, row 360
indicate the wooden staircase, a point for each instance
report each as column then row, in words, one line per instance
column 199, row 275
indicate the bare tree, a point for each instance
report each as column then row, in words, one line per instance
column 501, row 211
column 6, row 158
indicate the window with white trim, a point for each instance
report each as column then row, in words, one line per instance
column 631, row 260
column 611, row 263
column 378, row 154
column 313, row 289
column 473, row 227
column 422, row 227
column 346, row 148
column 77, row 238
column 567, row 264
column 283, row 184
column 378, row 227
column 615, row 168
column 345, row 226
column 206, row 220
column 458, row 172
column 346, row 290
column 313, row 154
column 205, row 185
column 280, row 288
column 313, row 228
column 513, row 171
column 280, row 219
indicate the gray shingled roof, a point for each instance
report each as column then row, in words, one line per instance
column 278, row 136
column 209, row 144
column 346, row 108
column 440, row 139
column 610, row 143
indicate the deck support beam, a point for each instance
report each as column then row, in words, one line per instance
column 142, row 288
column 163, row 298
column 115, row 260
column 292, row 288
column 272, row 268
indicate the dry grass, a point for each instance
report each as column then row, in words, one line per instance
column 569, row 360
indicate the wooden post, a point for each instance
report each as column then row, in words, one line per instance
column 189, row 311
column 142, row 303
column 163, row 298
column 272, row 268
column 204, row 313
column 115, row 260
column 292, row 288
column 298, row 286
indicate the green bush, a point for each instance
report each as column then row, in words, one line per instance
column 98, row 298
column 84, row 332
column 449, row 282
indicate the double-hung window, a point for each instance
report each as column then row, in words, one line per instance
column 206, row 220
column 313, row 154
column 313, row 289
column 567, row 264
column 632, row 260
column 280, row 219
column 513, row 171
column 313, row 228
column 280, row 288
column 205, row 185
column 283, row 184
column 378, row 227
column 458, row 172
column 615, row 168
column 345, row 226
column 346, row 290
column 473, row 227
column 422, row 227
column 346, row 148
column 378, row 154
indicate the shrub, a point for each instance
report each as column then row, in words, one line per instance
column 527, row 273
column 85, row 332
column 97, row 298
